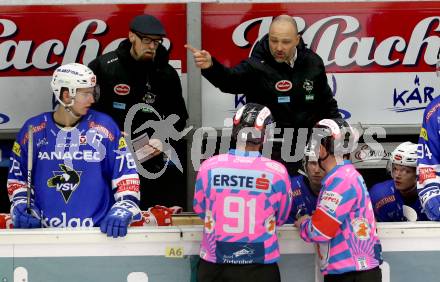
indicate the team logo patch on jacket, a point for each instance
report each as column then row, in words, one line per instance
column 209, row 222
column 308, row 85
column 65, row 181
column 361, row 228
column 270, row 224
column 149, row 98
column 122, row 89
column 283, row 85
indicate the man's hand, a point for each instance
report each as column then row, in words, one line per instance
column 202, row 58
column 150, row 150
column 409, row 213
column 157, row 147
column 300, row 220
column 22, row 219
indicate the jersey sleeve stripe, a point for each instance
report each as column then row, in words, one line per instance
column 325, row 223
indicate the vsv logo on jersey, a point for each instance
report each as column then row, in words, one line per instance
column 250, row 180
column 65, row 181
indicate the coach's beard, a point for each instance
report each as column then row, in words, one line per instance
column 146, row 55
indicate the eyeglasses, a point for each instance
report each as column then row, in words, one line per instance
column 145, row 39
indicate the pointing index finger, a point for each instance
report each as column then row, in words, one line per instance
column 191, row 48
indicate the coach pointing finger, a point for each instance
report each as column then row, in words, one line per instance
column 202, row 58
column 281, row 74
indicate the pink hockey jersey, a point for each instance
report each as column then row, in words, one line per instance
column 241, row 197
column 343, row 224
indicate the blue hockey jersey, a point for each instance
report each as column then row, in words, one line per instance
column 303, row 199
column 78, row 173
column 428, row 161
column 388, row 203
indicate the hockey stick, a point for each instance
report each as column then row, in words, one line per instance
column 29, row 168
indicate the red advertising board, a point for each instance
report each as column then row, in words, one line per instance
column 35, row 40
column 380, row 56
column 350, row 37
column 373, row 51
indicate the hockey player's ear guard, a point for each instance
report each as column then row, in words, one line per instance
column 251, row 122
column 72, row 76
column 335, row 135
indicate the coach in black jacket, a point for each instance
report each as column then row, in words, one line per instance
column 138, row 72
column 281, row 74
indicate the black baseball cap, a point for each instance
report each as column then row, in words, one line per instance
column 148, row 25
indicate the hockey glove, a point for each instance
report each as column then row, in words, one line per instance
column 409, row 213
column 119, row 217
column 22, row 219
column 430, row 199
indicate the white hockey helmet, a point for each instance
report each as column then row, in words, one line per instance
column 255, row 116
column 72, row 76
column 335, row 135
column 405, row 154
